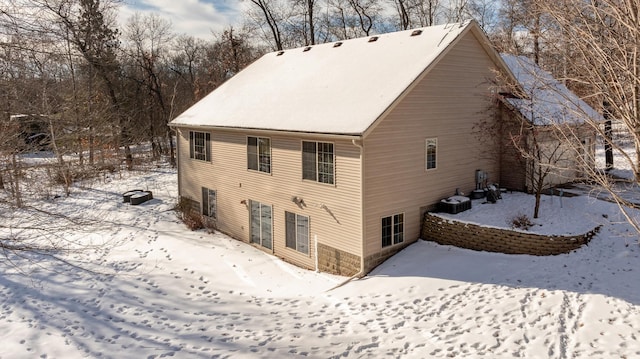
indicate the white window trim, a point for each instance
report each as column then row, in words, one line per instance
column 215, row 203
column 393, row 233
column 192, row 144
column 333, row 184
column 296, row 233
column 271, row 223
column 258, row 154
column 426, row 154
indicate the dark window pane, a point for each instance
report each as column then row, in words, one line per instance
column 208, row 146
column 309, row 160
column 191, row 153
column 290, row 224
column 205, row 201
column 386, row 231
column 398, row 228
column 252, row 153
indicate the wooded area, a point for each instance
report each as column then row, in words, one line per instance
column 93, row 90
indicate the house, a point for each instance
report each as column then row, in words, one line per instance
column 329, row 155
column 563, row 125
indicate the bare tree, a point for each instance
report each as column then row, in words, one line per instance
column 269, row 14
column 149, row 38
column 604, row 36
column 353, row 18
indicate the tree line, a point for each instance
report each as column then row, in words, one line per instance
column 100, row 88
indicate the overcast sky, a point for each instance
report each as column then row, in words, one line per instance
column 193, row 17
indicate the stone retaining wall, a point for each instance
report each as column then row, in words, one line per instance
column 471, row 236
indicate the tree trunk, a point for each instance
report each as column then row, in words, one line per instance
column 16, row 180
column 172, row 150
column 63, row 168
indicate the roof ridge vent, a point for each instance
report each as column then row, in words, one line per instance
column 373, row 39
column 416, row 32
column 337, row 44
column 280, row 53
column 306, row 49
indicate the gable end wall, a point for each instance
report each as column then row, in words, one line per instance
column 445, row 104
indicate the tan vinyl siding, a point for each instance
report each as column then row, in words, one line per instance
column 333, row 210
column 445, row 105
column 513, row 166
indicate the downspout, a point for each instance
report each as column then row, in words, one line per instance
column 362, row 269
column 177, row 154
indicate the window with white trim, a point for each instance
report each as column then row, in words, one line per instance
column 392, row 230
column 261, row 224
column 259, row 154
column 200, row 145
column 209, row 203
column 318, row 161
column 431, row 146
column 297, row 232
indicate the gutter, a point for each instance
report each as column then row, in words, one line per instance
column 336, row 135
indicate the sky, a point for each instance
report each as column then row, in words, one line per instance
column 192, row 17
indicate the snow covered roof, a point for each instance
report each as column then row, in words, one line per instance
column 334, row 88
column 549, row 101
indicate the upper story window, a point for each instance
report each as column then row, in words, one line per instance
column 200, row 145
column 259, row 154
column 431, row 149
column 318, row 161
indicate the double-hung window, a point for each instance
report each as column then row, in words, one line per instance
column 200, row 145
column 209, row 202
column 392, row 230
column 259, row 154
column 318, row 161
column 431, row 145
column 297, row 232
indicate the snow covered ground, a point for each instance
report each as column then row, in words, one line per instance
column 159, row 290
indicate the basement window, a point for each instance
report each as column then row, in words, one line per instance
column 297, row 232
column 392, row 230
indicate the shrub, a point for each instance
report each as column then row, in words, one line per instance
column 521, row 221
column 189, row 215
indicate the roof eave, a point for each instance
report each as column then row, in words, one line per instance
column 346, row 136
